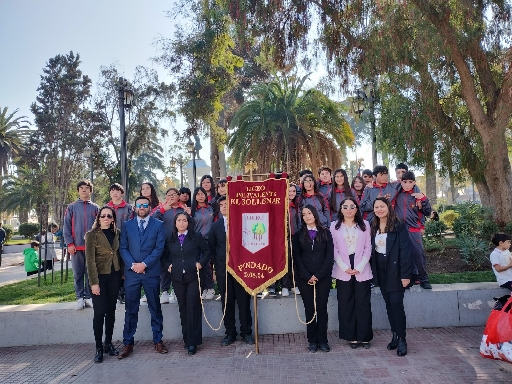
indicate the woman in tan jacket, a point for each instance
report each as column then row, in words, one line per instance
column 104, row 269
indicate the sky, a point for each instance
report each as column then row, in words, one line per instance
column 102, row 32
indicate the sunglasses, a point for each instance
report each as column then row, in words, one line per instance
column 145, row 205
column 348, row 207
column 108, row 215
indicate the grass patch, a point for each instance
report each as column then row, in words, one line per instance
column 27, row 292
column 18, row 242
column 462, row 277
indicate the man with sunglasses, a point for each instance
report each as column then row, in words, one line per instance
column 141, row 246
column 78, row 220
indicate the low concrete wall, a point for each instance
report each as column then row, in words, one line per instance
column 445, row 305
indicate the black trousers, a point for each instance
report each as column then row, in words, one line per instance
column 317, row 329
column 206, row 275
column 104, row 306
column 236, row 294
column 189, row 304
column 354, row 310
column 394, row 300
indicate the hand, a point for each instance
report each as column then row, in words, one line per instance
column 355, row 271
column 167, row 205
column 198, row 266
column 312, row 280
column 387, row 196
column 169, row 269
column 95, row 289
column 405, row 282
column 187, row 210
column 138, row 267
column 349, row 271
column 71, row 249
column 418, row 195
column 422, row 230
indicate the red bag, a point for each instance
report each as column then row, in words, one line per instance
column 499, row 325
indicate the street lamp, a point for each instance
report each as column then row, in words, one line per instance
column 191, row 148
column 358, row 104
column 125, row 95
column 88, row 154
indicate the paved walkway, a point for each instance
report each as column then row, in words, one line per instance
column 439, row 355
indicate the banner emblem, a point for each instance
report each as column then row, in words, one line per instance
column 254, row 231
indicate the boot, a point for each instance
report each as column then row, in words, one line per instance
column 98, row 358
column 110, row 349
column 394, row 342
column 402, row 347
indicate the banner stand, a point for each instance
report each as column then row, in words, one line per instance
column 255, row 298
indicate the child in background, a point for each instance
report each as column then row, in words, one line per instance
column 31, row 259
column 501, row 260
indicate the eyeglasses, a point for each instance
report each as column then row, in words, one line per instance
column 172, row 195
column 107, row 216
column 145, row 205
column 348, row 206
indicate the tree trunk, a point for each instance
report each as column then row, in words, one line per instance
column 23, row 216
column 214, row 158
column 430, row 179
column 453, row 190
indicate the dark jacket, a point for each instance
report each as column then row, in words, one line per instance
column 313, row 258
column 217, row 242
column 100, row 255
column 183, row 258
column 399, row 264
column 78, row 219
column 409, row 213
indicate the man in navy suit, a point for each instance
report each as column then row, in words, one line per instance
column 141, row 246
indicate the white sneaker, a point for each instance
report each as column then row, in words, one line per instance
column 80, row 304
column 285, row 292
column 144, row 300
column 172, row 297
column 88, row 303
column 164, row 297
column 296, row 291
column 208, row 294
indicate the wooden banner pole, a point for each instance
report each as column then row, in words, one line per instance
column 256, row 324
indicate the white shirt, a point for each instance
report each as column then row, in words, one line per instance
column 145, row 224
column 350, row 236
column 502, row 258
column 380, row 242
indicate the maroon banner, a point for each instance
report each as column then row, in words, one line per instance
column 257, row 250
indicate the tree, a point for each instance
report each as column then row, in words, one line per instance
column 282, row 126
column 456, row 41
column 12, row 132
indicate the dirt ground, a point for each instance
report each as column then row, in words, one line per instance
column 448, row 260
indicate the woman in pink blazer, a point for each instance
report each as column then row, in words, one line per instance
column 352, row 251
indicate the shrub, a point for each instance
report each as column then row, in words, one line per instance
column 28, row 230
column 446, row 207
column 435, row 228
column 448, row 217
column 471, row 217
column 474, row 251
column 487, row 229
column 9, row 230
column 508, row 228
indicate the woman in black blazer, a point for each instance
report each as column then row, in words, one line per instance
column 392, row 267
column 186, row 252
column 313, row 255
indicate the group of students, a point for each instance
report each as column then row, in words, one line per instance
column 349, row 232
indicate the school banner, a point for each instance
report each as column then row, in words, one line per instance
column 257, row 250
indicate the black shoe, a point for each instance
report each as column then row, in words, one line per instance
column 98, row 358
column 401, row 350
column 272, row 293
column 366, row 344
column 394, row 342
column 313, row 347
column 425, row 285
column 324, row 347
column 192, row 350
column 109, row 348
column 228, row 340
column 249, row 339
column 354, row 344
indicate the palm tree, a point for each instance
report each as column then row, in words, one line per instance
column 12, row 130
column 285, row 127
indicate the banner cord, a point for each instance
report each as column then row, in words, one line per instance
column 202, row 304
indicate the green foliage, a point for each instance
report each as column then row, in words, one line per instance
column 448, row 216
column 28, row 230
column 283, row 126
column 431, row 244
column 462, row 277
column 12, row 131
column 446, row 207
column 435, row 228
column 487, row 228
column 471, row 219
column 9, row 230
column 474, row 251
column 27, row 292
column 508, row 228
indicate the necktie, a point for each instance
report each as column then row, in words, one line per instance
column 141, row 226
column 181, row 237
column 312, row 234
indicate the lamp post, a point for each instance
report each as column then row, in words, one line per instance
column 178, row 161
column 358, row 104
column 88, row 154
column 191, row 148
column 125, row 95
